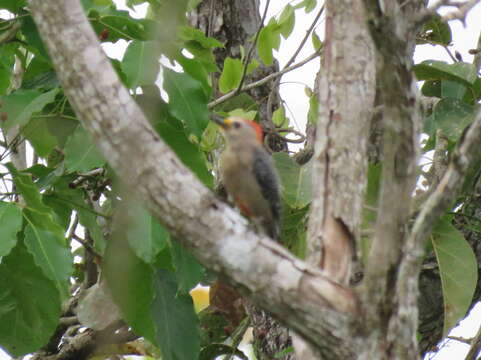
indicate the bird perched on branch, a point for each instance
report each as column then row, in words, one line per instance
column 248, row 174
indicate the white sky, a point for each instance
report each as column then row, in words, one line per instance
column 292, row 91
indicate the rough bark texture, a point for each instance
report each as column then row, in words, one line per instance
column 300, row 295
column 346, row 91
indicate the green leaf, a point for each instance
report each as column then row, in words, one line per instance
column 188, row 33
column 452, row 89
column 249, row 115
column 308, row 5
column 145, row 235
column 458, row 270
column 13, row 5
column 313, row 113
column 89, row 220
column 269, row 39
column 7, row 61
column 40, row 75
column 435, row 31
column 29, row 304
column 431, row 88
column 20, row 105
column 177, row 324
column 294, row 227
column 37, row 133
column 296, row 180
column 188, row 271
column 10, row 224
column 174, row 135
column 452, row 116
column 118, row 24
column 131, row 283
column 286, row 21
column 28, row 190
column 141, row 63
column 316, row 42
column 198, row 71
column 80, row 152
column 460, row 72
column 29, row 29
column 50, row 254
column 279, row 117
column 231, row 75
column 187, row 101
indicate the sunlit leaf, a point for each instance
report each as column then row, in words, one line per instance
column 231, row 74
column 286, row 21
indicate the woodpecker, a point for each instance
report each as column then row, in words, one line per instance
column 248, row 174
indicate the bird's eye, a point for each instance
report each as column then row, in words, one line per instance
column 237, row 125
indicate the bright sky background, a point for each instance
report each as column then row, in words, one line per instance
column 292, row 91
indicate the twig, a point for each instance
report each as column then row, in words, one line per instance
column 301, row 137
column 86, row 245
column 477, row 54
column 293, row 58
column 308, row 32
column 460, row 13
column 262, row 81
column 450, row 54
column 251, row 49
column 10, row 33
column 73, row 227
column 475, row 346
column 460, row 339
column 464, row 155
column 82, row 177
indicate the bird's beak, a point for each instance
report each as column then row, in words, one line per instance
column 219, row 120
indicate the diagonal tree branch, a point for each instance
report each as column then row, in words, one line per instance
column 299, row 295
column 466, row 153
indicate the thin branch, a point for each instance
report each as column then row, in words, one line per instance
column 292, row 59
column 262, row 81
column 306, row 37
column 82, row 177
column 477, row 54
column 251, row 49
column 87, row 246
column 73, row 227
column 461, row 12
column 450, row 54
column 460, row 339
column 458, row 14
column 475, row 346
column 10, row 33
